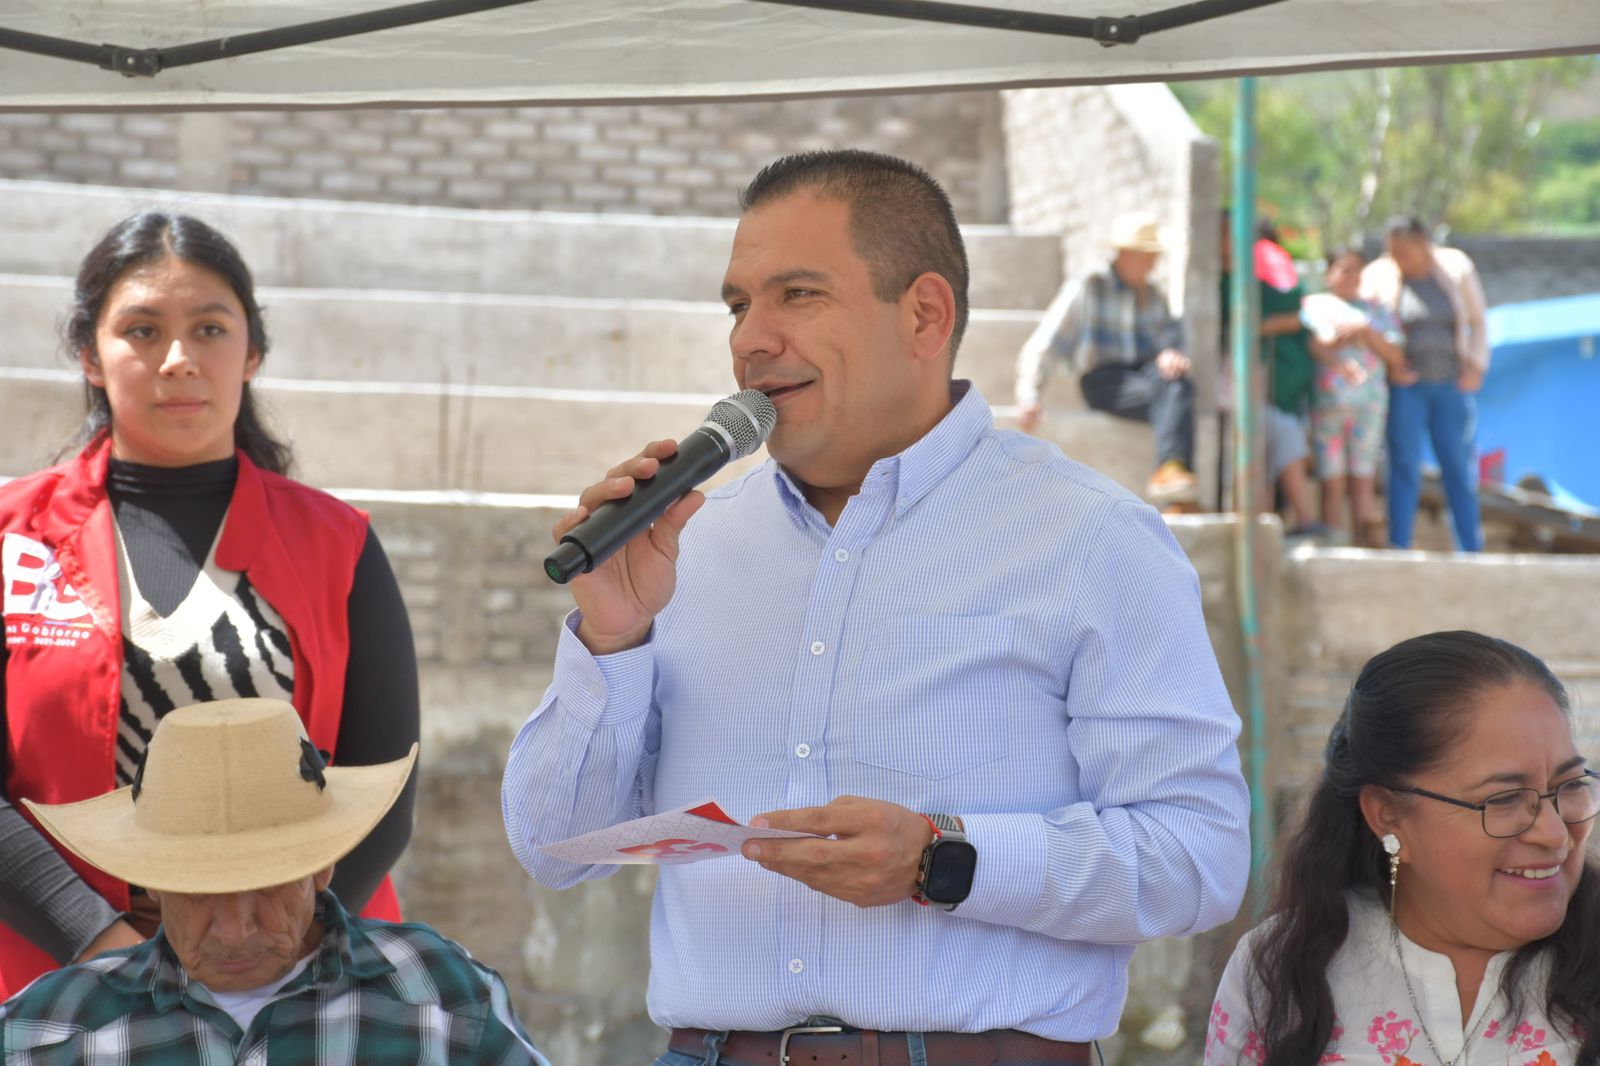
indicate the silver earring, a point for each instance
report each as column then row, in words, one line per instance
column 1391, row 844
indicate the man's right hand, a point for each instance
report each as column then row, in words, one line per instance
column 621, row 597
column 1028, row 416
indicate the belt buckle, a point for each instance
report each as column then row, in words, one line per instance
column 801, row 1030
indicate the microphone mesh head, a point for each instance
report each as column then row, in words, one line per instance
column 747, row 417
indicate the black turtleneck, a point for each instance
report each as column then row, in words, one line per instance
column 169, row 518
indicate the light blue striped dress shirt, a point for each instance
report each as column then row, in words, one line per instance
column 991, row 630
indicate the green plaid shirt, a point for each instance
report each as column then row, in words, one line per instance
column 373, row 993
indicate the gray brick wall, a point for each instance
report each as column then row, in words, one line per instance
column 664, row 159
column 1514, row 269
column 102, row 149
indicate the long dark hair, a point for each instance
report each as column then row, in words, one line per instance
column 150, row 237
column 1400, row 718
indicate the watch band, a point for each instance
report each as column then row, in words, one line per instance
column 945, row 827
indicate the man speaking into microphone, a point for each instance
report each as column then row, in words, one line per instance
column 975, row 669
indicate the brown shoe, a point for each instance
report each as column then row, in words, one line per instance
column 1171, row 483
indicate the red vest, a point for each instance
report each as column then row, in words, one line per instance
column 64, row 642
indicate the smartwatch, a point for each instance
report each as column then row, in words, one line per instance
column 944, row 876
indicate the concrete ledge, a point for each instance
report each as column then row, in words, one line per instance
column 388, row 437
column 328, row 244
column 542, row 341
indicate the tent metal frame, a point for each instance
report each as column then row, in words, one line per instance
column 148, row 62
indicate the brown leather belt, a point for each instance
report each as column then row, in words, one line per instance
column 809, row 1045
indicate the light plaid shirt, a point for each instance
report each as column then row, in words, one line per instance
column 373, row 992
column 1094, row 321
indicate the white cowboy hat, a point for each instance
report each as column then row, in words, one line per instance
column 231, row 797
column 1136, row 231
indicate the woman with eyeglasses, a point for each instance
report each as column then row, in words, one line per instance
column 1437, row 905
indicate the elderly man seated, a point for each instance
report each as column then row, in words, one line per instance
column 233, row 824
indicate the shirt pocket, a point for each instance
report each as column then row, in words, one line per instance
column 933, row 694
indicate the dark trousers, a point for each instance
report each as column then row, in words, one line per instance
column 1142, row 394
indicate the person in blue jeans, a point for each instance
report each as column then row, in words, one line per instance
column 1435, row 295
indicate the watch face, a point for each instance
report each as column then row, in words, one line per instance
column 950, row 870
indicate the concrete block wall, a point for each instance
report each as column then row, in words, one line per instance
column 1344, row 606
column 106, row 149
column 657, row 159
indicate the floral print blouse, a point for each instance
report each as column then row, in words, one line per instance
column 1375, row 1024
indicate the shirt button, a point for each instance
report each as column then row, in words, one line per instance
column 802, row 750
column 842, row 555
column 796, row 965
column 597, row 689
column 817, row 647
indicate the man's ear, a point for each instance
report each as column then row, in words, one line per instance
column 252, row 363
column 930, row 305
column 91, row 367
column 322, row 878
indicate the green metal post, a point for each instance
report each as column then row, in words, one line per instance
column 1244, row 313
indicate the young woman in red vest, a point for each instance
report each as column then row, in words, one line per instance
column 169, row 563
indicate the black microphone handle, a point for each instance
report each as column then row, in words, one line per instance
column 615, row 522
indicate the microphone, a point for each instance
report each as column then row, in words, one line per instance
column 735, row 428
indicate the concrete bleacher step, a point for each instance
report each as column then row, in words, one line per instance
column 323, row 244
column 398, row 437
column 526, row 341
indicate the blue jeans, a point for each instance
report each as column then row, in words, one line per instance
column 1142, row 394
column 1443, row 413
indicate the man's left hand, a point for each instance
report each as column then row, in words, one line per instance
column 1470, row 379
column 1172, row 364
column 872, row 860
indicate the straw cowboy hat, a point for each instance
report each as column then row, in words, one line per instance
column 1136, row 231
column 231, row 797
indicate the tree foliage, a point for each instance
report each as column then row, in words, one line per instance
column 1457, row 144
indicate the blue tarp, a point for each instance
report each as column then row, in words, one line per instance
column 1541, row 400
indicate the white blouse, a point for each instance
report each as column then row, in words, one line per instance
column 1374, row 1022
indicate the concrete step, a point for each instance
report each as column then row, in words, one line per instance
column 342, row 245
column 417, row 437
column 523, row 341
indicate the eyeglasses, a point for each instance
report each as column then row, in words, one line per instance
column 1512, row 813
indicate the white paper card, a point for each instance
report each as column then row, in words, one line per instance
column 693, row 833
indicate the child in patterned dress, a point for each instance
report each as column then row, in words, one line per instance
column 1356, row 346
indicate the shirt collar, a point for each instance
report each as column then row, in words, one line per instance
column 913, row 473
column 153, row 968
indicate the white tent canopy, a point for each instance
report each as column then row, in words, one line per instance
column 589, row 51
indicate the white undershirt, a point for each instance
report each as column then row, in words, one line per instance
column 244, row 1006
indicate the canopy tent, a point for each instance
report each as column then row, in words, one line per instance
column 591, row 51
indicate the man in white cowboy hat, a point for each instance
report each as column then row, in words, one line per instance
column 233, row 824
column 1115, row 326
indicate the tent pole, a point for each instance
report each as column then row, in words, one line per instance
column 1248, row 479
